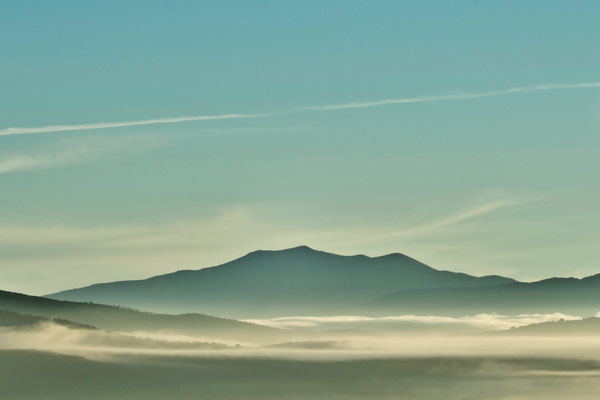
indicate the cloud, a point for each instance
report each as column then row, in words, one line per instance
column 209, row 234
column 20, row 162
column 105, row 125
column 450, row 220
column 459, row 96
column 481, row 321
column 330, row 107
column 78, row 149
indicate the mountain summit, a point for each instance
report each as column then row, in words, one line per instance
column 296, row 281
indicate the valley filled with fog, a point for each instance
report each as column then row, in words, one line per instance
column 55, row 361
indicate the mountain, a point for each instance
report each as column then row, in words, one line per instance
column 123, row 319
column 296, row 281
column 13, row 319
column 566, row 295
column 26, row 323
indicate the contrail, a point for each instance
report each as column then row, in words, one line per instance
column 105, row 125
column 459, row 96
column 330, row 107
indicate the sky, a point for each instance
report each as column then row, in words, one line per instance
column 142, row 137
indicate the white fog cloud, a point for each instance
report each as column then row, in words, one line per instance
column 482, row 321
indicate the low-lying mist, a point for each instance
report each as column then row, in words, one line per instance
column 327, row 339
column 342, row 358
column 406, row 322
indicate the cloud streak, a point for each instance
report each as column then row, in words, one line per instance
column 27, row 162
column 330, row 107
column 107, row 125
column 458, row 96
column 450, row 220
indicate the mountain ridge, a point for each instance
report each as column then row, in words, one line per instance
column 277, row 282
column 116, row 318
column 567, row 295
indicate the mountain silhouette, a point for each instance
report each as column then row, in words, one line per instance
column 299, row 280
column 567, row 295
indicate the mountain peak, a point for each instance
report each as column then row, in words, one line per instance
column 302, row 247
column 396, row 255
column 296, row 249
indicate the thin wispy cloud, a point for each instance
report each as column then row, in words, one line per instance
column 107, row 125
column 458, row 96
column 450, row 220
column 330, row 107
column 21, row 162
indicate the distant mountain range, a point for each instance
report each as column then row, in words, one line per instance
column 566, row 295
column 295, row 281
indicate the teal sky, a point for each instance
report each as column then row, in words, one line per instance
column 504, row 183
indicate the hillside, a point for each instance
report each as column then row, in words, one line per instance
column 122, row 319
column 13, row 320
column 272, row 283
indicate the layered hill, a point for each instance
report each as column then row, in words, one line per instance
column 566, row 295
column 274, row 283
column 87, row 336
column 122, row 319
column 13, row 319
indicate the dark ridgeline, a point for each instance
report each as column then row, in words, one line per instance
column 13, row 320
column 565, row 295
column 20, row 309
column 276, row 283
